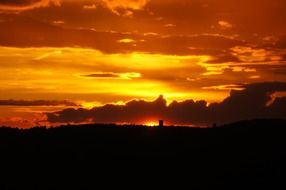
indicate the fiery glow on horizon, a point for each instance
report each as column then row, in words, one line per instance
column 151, row 124
column 98, row 52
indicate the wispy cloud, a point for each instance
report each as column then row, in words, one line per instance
column 14, row 5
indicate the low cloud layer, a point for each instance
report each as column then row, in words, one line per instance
column 255, row 101
column 36, row 103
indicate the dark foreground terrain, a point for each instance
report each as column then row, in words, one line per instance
column 246, row 152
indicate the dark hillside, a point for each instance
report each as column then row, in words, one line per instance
column 252, row 149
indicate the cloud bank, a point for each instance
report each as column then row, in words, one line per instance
column 22, row 5
column 250, row 103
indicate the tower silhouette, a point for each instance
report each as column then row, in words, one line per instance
column 161, row 123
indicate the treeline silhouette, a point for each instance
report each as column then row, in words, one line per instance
column 254, row 149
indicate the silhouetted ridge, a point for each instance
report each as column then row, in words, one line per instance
column 253, row 149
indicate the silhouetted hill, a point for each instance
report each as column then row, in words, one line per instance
column 254, row 150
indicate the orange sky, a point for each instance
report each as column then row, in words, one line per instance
column 94, row 52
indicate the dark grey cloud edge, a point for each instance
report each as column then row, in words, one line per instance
column 101, row 75
column 18, row 2
column 36, row 103
column 250, row 103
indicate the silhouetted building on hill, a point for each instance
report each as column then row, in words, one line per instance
column 161, row 123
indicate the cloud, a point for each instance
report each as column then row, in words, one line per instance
column 40, row 34
column 101, row 75
column 224, row 57
column 90, row 7
column 36, row 103
column 124, row 7
column 202, row 44
column 224, row 25
column 225, row 87
column 126, row 41
column 57, row 52
column 110, row 75
column 249, row 103
column 133, row 111
column 22, row 5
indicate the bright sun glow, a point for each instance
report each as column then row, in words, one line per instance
column 151, row 124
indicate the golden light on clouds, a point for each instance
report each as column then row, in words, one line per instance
column 92, row 6
column 97, row 52
column 126, row 40
column 69, row 70
column 117, row 6
column 224, row 25
column 49, row 70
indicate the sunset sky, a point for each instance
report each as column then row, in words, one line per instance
column 61, row 58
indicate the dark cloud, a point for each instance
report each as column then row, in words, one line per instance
column 224, row 57
column 134, row 111
column 17, row 2
column 278, row 104
column 249, row 103
column 26, row 32
column 36, row 103
column 111, row 75
column 23, row 32
column 21, row 5
column 101, row 75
